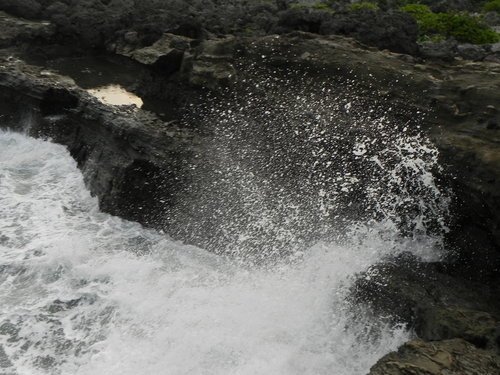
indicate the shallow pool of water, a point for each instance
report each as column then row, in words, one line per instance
column 116, row 95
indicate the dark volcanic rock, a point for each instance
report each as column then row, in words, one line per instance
column 437, row 305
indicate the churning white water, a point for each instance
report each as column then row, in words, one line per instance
column 83, row 292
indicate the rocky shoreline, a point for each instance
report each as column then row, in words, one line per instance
column 132, row 159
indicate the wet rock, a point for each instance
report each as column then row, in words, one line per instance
column 451, row 357
column 477, row 327
column 437, row 305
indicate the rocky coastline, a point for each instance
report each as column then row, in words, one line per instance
column 132, row 158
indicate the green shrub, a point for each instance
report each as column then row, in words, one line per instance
column 465, row 28
column 363, row 5
column 321, row 6
column 461, row 26
column 416, row 9
column 427, row 20
column 492, row 6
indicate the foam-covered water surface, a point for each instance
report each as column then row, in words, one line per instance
column 82, row 292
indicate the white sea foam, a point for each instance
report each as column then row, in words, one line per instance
column 82, row 292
